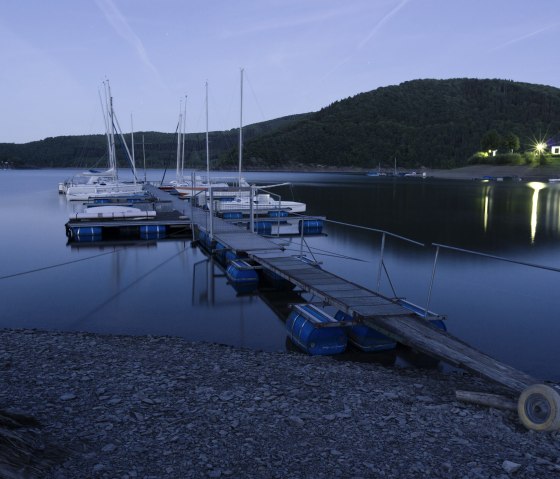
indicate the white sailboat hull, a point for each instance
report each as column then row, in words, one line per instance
column 108, row 190
column 261, row 203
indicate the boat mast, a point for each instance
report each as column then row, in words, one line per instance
column 183, row 145
column 241, row 129
column 144, row 155
column 132, row 144
column 112, row 152
column 177, row 172
column 207, row 147
column 106, row 121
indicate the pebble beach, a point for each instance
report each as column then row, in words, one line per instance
column 163, row 407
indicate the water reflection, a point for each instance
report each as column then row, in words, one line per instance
column 507, row 311
column 486, row 205
column 537, row 187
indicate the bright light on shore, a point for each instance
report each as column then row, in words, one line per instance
column 539, row 148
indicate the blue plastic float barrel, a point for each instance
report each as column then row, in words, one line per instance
column 220, row 252
column 306, row 327
column 242, row 276
column 86, row 231
column 224, row 255
column 230, row 256
column 262, row 227
column 205, row 240
column 232, row 215
column 366, row 338
column 152, row 231
column 310, row 227
column 277, row 214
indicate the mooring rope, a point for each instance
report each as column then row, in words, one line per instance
column 59, row 264
column 127, row 287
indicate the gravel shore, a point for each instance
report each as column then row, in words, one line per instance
column 161, row 407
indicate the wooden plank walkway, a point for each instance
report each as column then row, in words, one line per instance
column 178, row 204
column 384, row 315
column 373, row 309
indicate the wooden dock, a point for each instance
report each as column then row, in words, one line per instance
column 373, row 309
column 539, row 405
column 169, row 214
column 388, row 317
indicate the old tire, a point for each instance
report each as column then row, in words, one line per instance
column 539, row 408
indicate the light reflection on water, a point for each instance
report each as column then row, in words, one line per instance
column 507, row 310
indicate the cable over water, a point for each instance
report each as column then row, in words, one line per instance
column 59, row 264
column 127, row 287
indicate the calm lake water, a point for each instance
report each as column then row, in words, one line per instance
column 507, row 310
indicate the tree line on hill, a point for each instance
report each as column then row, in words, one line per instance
column 431, row 123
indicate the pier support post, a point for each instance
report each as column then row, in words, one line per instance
column 211, row 209
column 251, row 209
column 431, row 283
column 380, row 262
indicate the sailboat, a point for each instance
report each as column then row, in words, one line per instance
column 243, row 201
column 93, row 184
column 197, row 185
column 377, row 172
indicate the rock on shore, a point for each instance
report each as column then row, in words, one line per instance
column 160, row 407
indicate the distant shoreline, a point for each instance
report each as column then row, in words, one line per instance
column 472, row 172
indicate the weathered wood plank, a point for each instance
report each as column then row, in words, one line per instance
column 379, row 313
column 369, row 301
column 350, row 294
column 379, row 310
column 420, row 335
column 493, row 400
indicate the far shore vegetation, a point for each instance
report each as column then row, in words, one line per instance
column 433, row 124
column 499, row 150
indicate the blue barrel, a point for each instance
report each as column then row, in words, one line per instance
column 153, row 231
column 304, row 328
column 79, row 232
column 224, row 255
column 262, row 227
column 366, row 338
column 205, row 240
column 310, row 227
column 242, row 276
column 220, row 252
column 232, row 215
column 230, row 256
column 277, row 214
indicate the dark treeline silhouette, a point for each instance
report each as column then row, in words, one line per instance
column 432, row 123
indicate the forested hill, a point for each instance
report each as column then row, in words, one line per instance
column 160, row 149
column 432, row 123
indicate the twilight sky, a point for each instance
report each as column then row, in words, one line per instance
column 298, row 55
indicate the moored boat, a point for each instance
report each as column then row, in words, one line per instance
column 261, row 203
column 95, row 184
